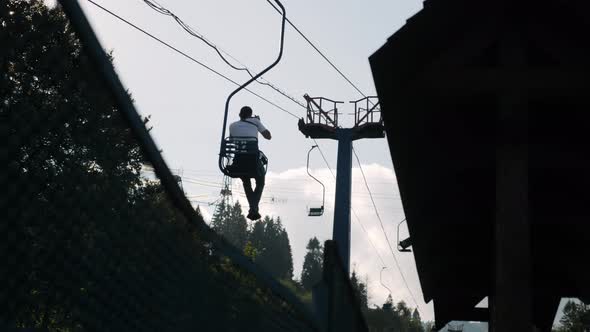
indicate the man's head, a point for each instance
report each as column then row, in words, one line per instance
column 245, row 112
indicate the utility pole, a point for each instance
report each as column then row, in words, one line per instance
column 322, row 123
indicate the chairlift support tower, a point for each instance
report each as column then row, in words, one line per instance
column 322, row 123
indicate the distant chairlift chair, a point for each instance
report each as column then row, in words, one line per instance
column 403, row 245
column 319, row 211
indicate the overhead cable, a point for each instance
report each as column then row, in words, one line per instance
column 383, row 229
column 164, row 11
column 324, row 157
column 318, row 50
column 188, row 56
column 358, row 220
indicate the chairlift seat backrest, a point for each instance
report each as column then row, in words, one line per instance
column 240, row 145
column 241, row 157
column 316, row 212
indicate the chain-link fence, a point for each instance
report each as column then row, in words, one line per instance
column 86, row 242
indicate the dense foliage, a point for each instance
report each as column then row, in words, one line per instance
column 390, row 316
column 87, row 242
column 576, row 318
column 311, row 272
column 266, row 242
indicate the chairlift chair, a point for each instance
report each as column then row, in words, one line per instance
column 403, row 245
column 316, row 211
column 239, row 156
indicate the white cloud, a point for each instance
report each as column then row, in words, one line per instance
column 298, row 191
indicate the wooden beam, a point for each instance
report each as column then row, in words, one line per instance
column 460, row 82
column 511, row 300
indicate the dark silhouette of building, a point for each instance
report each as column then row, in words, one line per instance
column 486, row 107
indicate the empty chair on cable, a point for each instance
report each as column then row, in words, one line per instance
column 316, row 211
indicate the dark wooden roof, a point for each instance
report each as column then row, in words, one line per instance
column 438, row 80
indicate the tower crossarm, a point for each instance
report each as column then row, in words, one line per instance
column 316, row 113
column 370, row 113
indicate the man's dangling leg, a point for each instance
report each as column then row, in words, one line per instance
column 250, row 196
column 258, row 191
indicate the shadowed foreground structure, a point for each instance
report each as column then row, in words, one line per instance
column 486, row 111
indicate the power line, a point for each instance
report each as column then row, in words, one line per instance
column 358, row 220
column 383, row 229
column 275, row 189
column 164, row 11
column 368, row 237
column 318, row 50
column 324, row 157
column 187, row 56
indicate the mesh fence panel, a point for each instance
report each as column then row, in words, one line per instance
column 86, row 242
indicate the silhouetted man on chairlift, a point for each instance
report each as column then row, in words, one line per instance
column 250, row 126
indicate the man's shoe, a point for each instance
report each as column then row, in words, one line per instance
column 255, row 215
column 251, row 215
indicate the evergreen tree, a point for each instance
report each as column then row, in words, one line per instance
column 405, row 315
column 416, row 322
column 395, row 317
column 229, row 222
column 360, row 289
column 237, row 227
column 311, row 272
column 403, row 310
column 256, row 235
column 388, row 305
column 285, row 253
column 220, row 216
column 416, row 315
column 576, row 318
column 272, row 246
column 263, row 238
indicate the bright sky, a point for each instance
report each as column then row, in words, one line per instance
column 186, row 103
